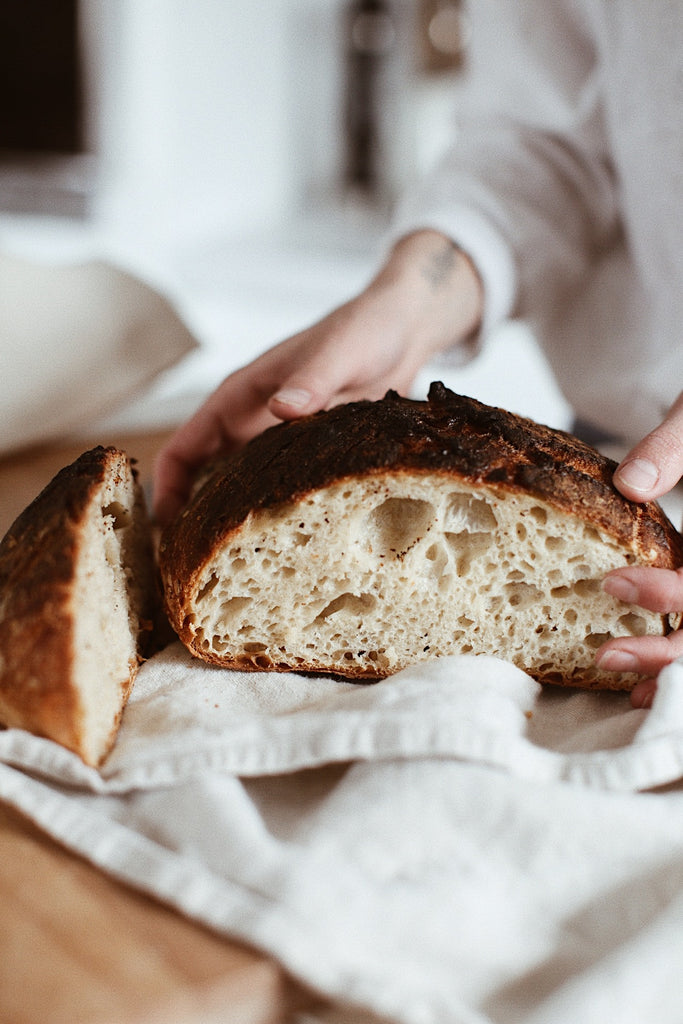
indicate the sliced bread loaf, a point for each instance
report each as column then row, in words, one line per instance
column 78, row 599
column 366, row 538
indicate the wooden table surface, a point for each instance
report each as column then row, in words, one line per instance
column 78, row 947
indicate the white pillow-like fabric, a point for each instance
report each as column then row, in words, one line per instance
column 77, row 342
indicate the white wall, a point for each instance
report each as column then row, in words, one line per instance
column 194, row 119
column 214, row 117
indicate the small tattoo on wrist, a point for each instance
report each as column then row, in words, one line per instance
column 439, row 264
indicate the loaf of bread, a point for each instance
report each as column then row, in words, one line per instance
column 366, row 538
column 78, row 599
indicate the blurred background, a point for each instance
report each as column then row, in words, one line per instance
column 244, row 159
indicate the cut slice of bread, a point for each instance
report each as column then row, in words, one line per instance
column 78, row 600
column 378, row 534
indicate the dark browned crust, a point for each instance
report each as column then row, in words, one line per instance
column 37, row 563
column 448, row 434
column 37, row 559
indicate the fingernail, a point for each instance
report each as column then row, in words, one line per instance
column 639, row 474
column 617, row 661
column 297, row 397
column 621, row 588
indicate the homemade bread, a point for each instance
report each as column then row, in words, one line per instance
column 377, row 534
column 78, row 597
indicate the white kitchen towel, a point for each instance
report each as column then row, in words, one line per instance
column 454, row 844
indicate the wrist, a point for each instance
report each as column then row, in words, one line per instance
column 434, row 287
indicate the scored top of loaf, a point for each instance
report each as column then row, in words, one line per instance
column 447, row 434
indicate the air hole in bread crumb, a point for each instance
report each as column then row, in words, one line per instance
column 515, row 576
column 230, row 610
column 470, row 513
column 351, row 604
column 522, row 595
column 633, row 623
column 432, row 552
column 539, row 514
column 207, row 588
column 586, row 588
column 438, row 556
column 119, row 515
column 595, row 640
column 399, row 523
column 467, row 547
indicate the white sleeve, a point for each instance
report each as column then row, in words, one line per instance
column 526, row 189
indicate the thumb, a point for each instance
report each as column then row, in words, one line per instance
column 313, row 385
column 655, row 465
column 296, row 397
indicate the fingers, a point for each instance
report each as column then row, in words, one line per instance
column 353, row 352
column 655, row 465
column 646, row 655
column 175, row 465
column 314, row 386
column 299, row 376
column 659, row 590
column 234, row 412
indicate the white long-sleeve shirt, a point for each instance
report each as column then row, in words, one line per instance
column 565, row 185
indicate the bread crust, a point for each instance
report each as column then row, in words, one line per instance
column 38, row 557
column 449, row 434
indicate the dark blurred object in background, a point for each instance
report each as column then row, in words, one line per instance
column 390, row 46
column 40, row 77
column 41, row 108
column 370, row 37
column 443, row 34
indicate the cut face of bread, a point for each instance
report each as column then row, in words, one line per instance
column 78, row 597
column 373, row 536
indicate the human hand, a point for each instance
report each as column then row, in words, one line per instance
column 649, row 470
column 425, row 297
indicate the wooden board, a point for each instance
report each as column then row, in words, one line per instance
column 76, row 946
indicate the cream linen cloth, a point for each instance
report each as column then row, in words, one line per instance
column 452, row 845
column 77, row 341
